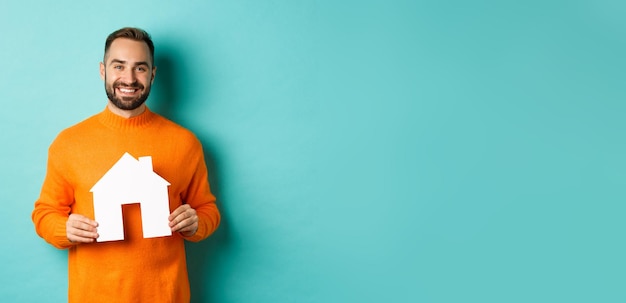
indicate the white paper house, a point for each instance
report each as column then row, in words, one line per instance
column 131, row 181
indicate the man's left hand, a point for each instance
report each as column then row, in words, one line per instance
column 184, row 220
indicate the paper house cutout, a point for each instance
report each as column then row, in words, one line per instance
column 131, row 181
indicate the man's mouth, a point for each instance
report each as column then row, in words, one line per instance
column 127, row 90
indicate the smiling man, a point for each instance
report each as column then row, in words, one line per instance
column 127, row 83
column 135, row 269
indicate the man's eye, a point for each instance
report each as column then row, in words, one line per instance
column 117, row 67
column 141, row 69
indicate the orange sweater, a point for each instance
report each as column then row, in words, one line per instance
column 135, row 269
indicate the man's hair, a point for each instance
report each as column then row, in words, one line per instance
column 132, row 33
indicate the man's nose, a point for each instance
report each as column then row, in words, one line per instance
column 128, row 76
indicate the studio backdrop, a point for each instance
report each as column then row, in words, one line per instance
column 360, row 151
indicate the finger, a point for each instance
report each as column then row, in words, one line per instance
column 83, row 219
column 77, row 239
column 178, row 211
column 77, row 235
column 184, row 224
column 82, row 239
column 80, row 225
column 81, row 229
column 182, row 212
column 188, row 230
column 86, row 234
column 180, row 222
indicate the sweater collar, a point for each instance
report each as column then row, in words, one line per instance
column 108, row 118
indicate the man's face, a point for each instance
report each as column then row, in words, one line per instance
column 127, row 73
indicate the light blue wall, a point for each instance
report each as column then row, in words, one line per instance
column 361, row 151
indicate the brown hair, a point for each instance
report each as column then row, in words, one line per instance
column 132, row 33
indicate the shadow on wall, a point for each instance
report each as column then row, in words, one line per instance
column 203, row 258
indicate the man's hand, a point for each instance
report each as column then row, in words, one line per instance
column 184, row 220
column 80, row 229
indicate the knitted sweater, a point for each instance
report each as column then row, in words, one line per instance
column 134, row 269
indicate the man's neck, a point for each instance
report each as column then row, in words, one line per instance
column 126, row 113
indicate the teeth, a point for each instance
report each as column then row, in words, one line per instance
column 126, row 90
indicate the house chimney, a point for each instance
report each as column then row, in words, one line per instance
column 145, row 163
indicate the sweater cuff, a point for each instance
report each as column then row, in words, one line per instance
column 199, row 235
column 205, row 228
column 59, row 236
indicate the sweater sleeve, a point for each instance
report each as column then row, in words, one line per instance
column 54, row 205
column 198, row 195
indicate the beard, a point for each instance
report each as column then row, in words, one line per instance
column 126, row 103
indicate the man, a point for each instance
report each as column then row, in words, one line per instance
column 135, row 269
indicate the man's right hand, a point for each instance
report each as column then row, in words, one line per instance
column 81, row 229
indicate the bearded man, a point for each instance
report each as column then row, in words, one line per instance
column 135, row 269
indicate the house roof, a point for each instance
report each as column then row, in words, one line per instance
column 130, row 174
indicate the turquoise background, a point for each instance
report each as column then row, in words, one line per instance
column 361, row 151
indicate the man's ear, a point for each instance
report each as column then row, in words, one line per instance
column 154, row 68
column 102, row 70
